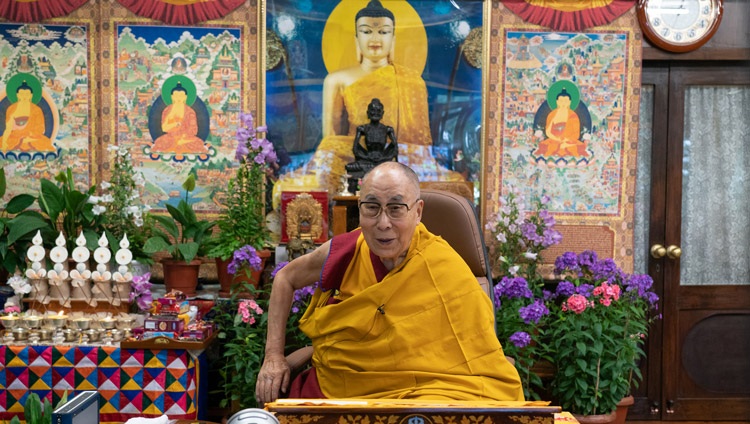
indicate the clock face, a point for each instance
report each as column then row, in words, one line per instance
column 679, row 25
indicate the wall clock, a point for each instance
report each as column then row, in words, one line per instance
column 679, row 25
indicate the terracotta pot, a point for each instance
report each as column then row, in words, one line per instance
column 180, row 275
column 227, row 280
column 596, row 419
column 622, row 409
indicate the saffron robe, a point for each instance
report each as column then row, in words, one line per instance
column 403, row 93
column 182, row 139
column 425, row 331
column 27, row 133
column 568, row 131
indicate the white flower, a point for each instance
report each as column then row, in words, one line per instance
column 132, row 210
column 514, row 269
column 93, row 200
column 19, row 284
column 112, row 148
column 107, row 198
column 98, row 209
column 138, row 222
column 146, row 207
column 530, row 255
column 105, row 185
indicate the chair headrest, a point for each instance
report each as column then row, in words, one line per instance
column 453, row 218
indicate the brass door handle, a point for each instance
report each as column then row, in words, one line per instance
column 674, row 252
column 658, row 251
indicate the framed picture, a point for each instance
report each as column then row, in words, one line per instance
column 46, row 95
column 173, row 96
column 319, row 82
column 563, row 123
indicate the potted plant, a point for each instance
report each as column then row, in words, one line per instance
column 242, row 219
column 63, row 209
column 242, row 327
column 599, row 319
column 518, row 238
column 125, row 214
column 17, row 227
column 184, row 237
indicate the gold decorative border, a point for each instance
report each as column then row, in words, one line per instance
column 610, row 236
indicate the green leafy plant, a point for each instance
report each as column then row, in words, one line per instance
column 599, row 318
column 242, row 220
column 63, row 208
column 17, row 227
column 181, row 234
column 518, row 238
column 124, row 216
column 242, row 326
column 36, row 412
column 70, row 210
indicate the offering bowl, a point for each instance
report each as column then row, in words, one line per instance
column 107, row 323
column 82, row 323
column 33, row 321
column 10, row 322
column 58, row 321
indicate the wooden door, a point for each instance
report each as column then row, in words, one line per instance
column 704, row 273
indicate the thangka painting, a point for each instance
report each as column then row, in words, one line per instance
column 322, row 75
column 176, row 95
column 563, row 124
column 46, row 102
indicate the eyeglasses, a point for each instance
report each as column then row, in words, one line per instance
column 392, row 210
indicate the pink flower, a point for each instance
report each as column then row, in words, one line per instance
column 244, row 309
column 576, row 303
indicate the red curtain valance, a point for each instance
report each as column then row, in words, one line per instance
column 569, row 15
column 181, row 12
column 37, row 10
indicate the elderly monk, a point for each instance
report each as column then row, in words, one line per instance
column 398, row 313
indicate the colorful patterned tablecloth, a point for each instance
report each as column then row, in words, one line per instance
column 131, row 382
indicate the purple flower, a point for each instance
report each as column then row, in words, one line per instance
column 568, row 261
column 534, row 312
column 302, row 296
column 565, row 289
column 512, row 288
column 587, row 258
column 520, row 339
column 585, row 290
column 244, row 256
column 606, row 270
column 640, row 283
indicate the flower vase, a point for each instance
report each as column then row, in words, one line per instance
column 622, row 409
column 596, row 419
column 227, row 280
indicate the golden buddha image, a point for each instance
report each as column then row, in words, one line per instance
column 24, row 127
column 179, row 121
column 364, row 60
column 562, row 122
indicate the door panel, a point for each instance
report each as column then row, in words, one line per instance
column 707, row 288
column 649, row 224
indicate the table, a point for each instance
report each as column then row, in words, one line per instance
column 345, row 214
column 131, row 382
column 335, row 411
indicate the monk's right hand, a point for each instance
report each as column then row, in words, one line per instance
column 273, row 378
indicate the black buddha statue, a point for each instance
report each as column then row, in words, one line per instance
column 379, row 145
